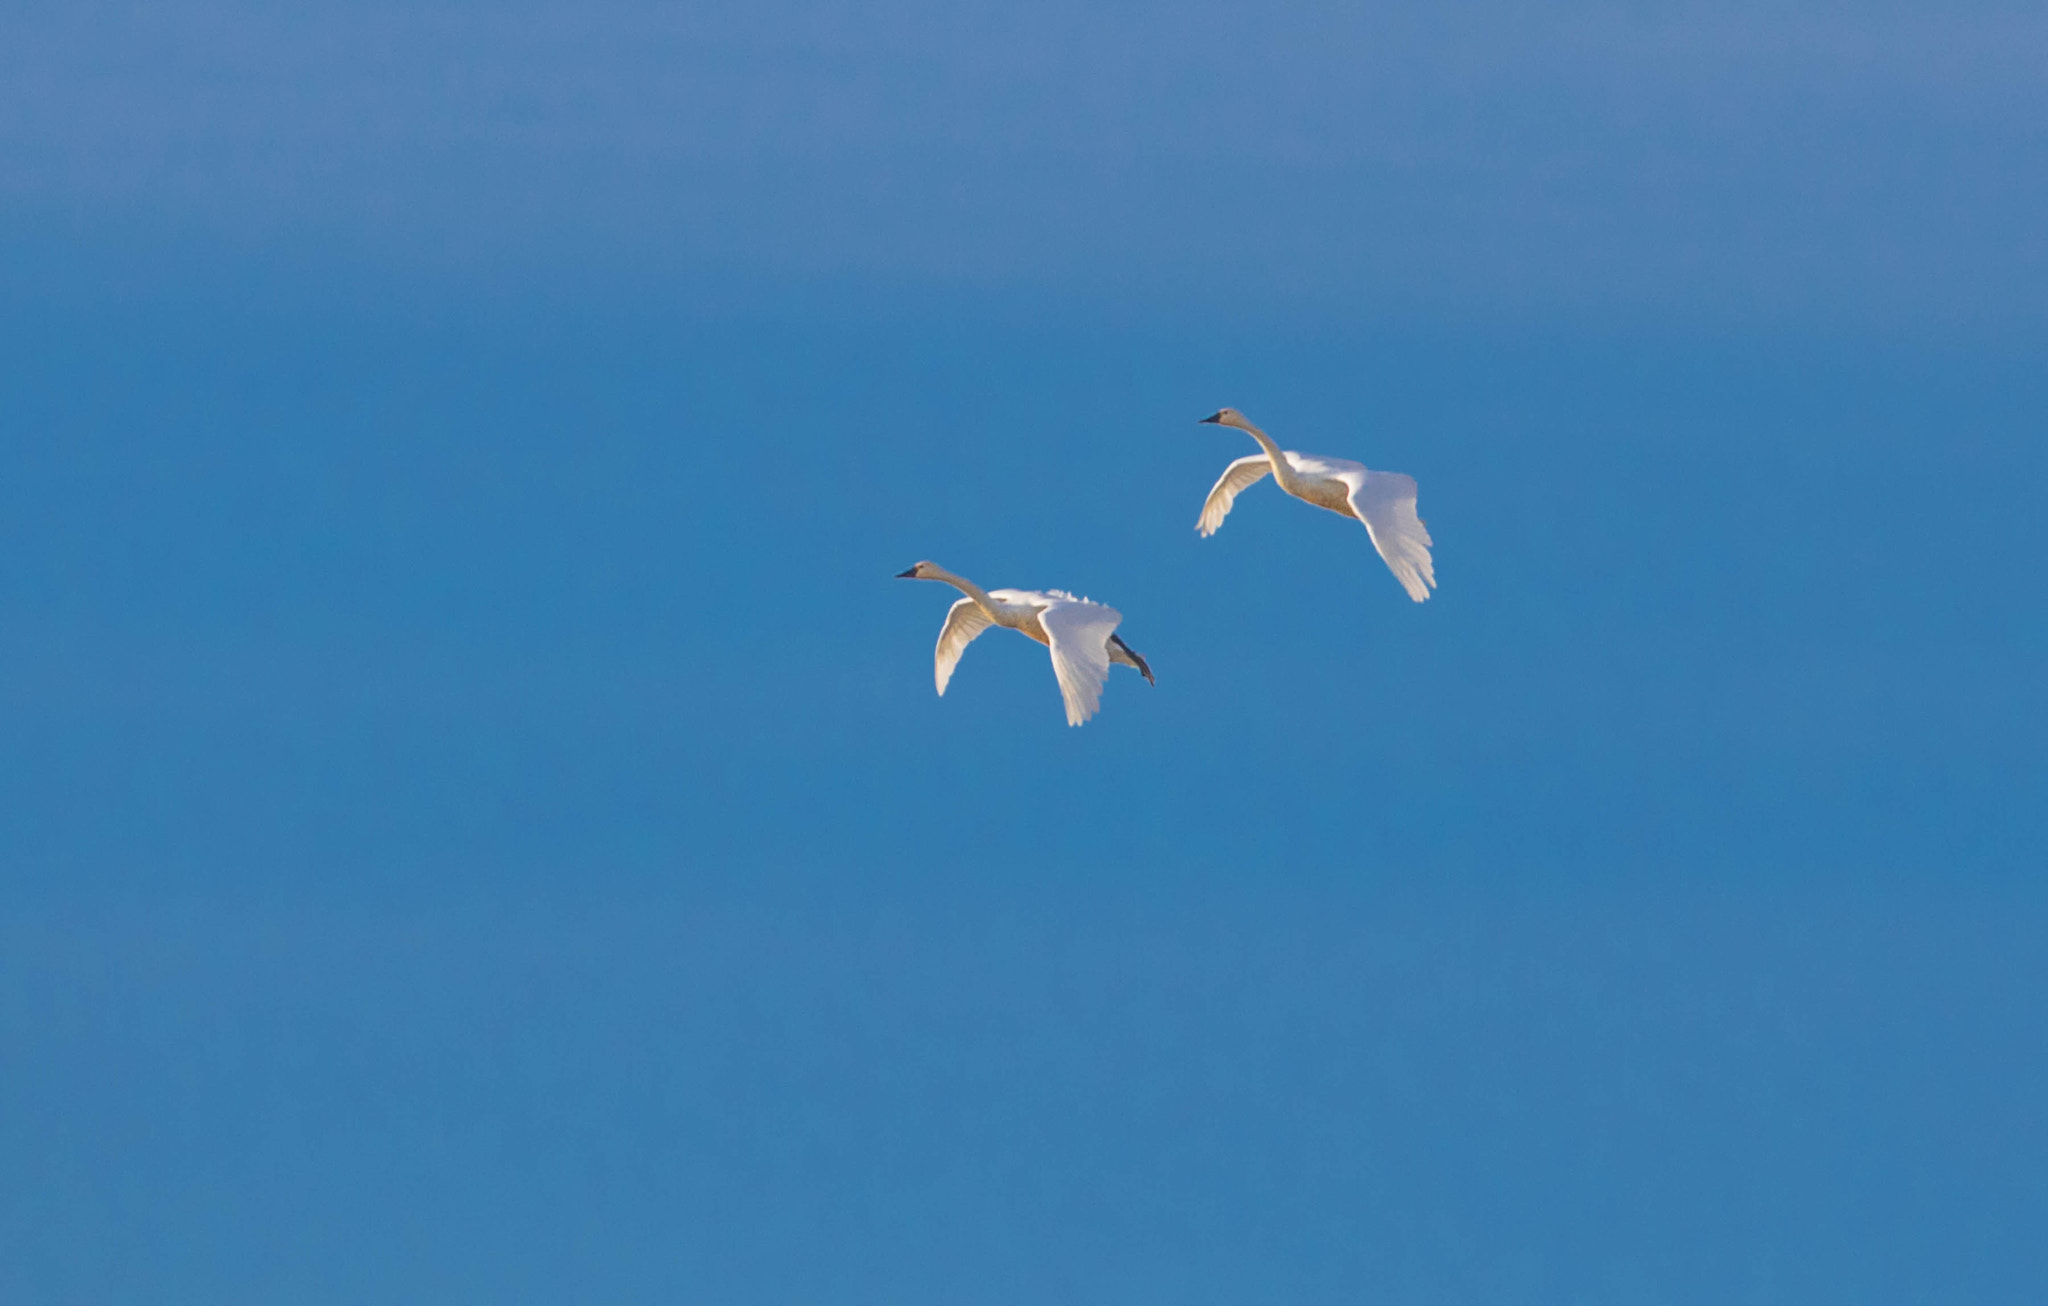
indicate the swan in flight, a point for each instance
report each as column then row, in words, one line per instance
column 1081, row 635
column 1384, row 501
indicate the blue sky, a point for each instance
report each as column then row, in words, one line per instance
column 1812, row 162
column 478, row 824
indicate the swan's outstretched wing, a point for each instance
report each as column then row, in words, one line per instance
column 963, row 623
column 1385, row 502
column 1237, row 478
column 1078, row 633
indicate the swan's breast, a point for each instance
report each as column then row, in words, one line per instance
column 1029, row 624
column 1323, row 493
column 1018, row 610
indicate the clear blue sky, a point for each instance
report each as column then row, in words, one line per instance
column 476, row 822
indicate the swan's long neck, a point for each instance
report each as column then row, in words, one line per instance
column 969, row 588
column 1283, row 472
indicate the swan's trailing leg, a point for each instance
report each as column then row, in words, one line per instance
column 1128, row 656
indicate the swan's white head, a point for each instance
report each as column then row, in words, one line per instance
column 1228, row 417
column 922, row 571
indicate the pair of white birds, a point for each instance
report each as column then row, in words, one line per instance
column 1082, row 635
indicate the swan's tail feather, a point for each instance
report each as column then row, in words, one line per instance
column 1130, row 658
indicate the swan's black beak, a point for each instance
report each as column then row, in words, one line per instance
column 907, row 575
column 1216, row 416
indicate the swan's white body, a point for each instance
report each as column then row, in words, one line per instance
column 1081, row 635
column 1383, row 501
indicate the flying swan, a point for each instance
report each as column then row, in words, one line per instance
column 1081, row 635
column 1384, row 501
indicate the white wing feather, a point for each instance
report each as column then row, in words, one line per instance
column 966, row 620
column 1078, row 634
column 1236, row 479
column 1385, row 502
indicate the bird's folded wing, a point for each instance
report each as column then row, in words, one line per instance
column 1078, row 634
column 963, row 623
column 1385, row 502
column 1237, row 477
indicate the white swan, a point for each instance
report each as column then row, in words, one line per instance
column 1384, row 501
column 1081, row 635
